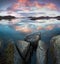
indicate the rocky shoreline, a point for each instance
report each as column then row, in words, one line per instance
column 32, row 49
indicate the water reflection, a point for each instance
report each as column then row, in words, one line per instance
column 27, row 26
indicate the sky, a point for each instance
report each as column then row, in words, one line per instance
column 30, row 7
column 26, row 8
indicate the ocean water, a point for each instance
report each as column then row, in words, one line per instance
column 17, row 29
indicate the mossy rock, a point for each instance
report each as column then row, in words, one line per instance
column 9, row 53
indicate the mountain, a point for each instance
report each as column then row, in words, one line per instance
column 43, row 17
column 7, row 17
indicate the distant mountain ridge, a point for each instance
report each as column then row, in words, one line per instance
column 44, row 17
column 7, row 17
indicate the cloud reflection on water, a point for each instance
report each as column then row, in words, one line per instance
column 28, row 26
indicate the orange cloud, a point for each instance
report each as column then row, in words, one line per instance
column 51, row 6
column 23, row 29
column 23, row 2
column 50, row 27
column 37, row 4
column 39, row 28
column 27, row 3
column 16, row 6
column 26, row 29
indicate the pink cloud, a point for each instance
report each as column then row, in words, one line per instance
column 50, row 27
column 39, row 28
column 27, row 3
column 51, row 6
column 23, row 29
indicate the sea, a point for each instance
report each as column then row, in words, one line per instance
column 17, row 29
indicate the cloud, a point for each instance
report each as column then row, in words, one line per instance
column 9, row 12
column 23, row 29
column 39, row 28
column 50, row 27
column 36, row 7
column 27, row 4
column 28, row 28
column 51, row 6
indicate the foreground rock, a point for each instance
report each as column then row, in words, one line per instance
column 55, row 49
column 21, row 48
column 41, row 53
column 39, row 49
column 30, row 51
column 10, row 54
column 6, row 52
column 33, row 39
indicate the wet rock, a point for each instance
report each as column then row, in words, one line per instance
column 6, row 52
column 9, row 54
column 33, row 39
column 55, row 49
column 41, row 53
column 23, row 47
column 40, row 48
column 1, row 43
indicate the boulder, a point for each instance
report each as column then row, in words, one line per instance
column 31, row 43
column 20, row 52
column 55, row 49
column 41, row 53
column 23, row 46
column 33, row 39
column 6, row 52
column 11, row 54
column 39, row 48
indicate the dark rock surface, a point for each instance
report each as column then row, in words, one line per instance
column 7, row 53
column 22, row 46
column 55, row 49
column 33, row 39
column 39, row 48
column 32, row 43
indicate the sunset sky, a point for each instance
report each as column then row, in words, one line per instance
column 30, row 7
column 26, row 8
